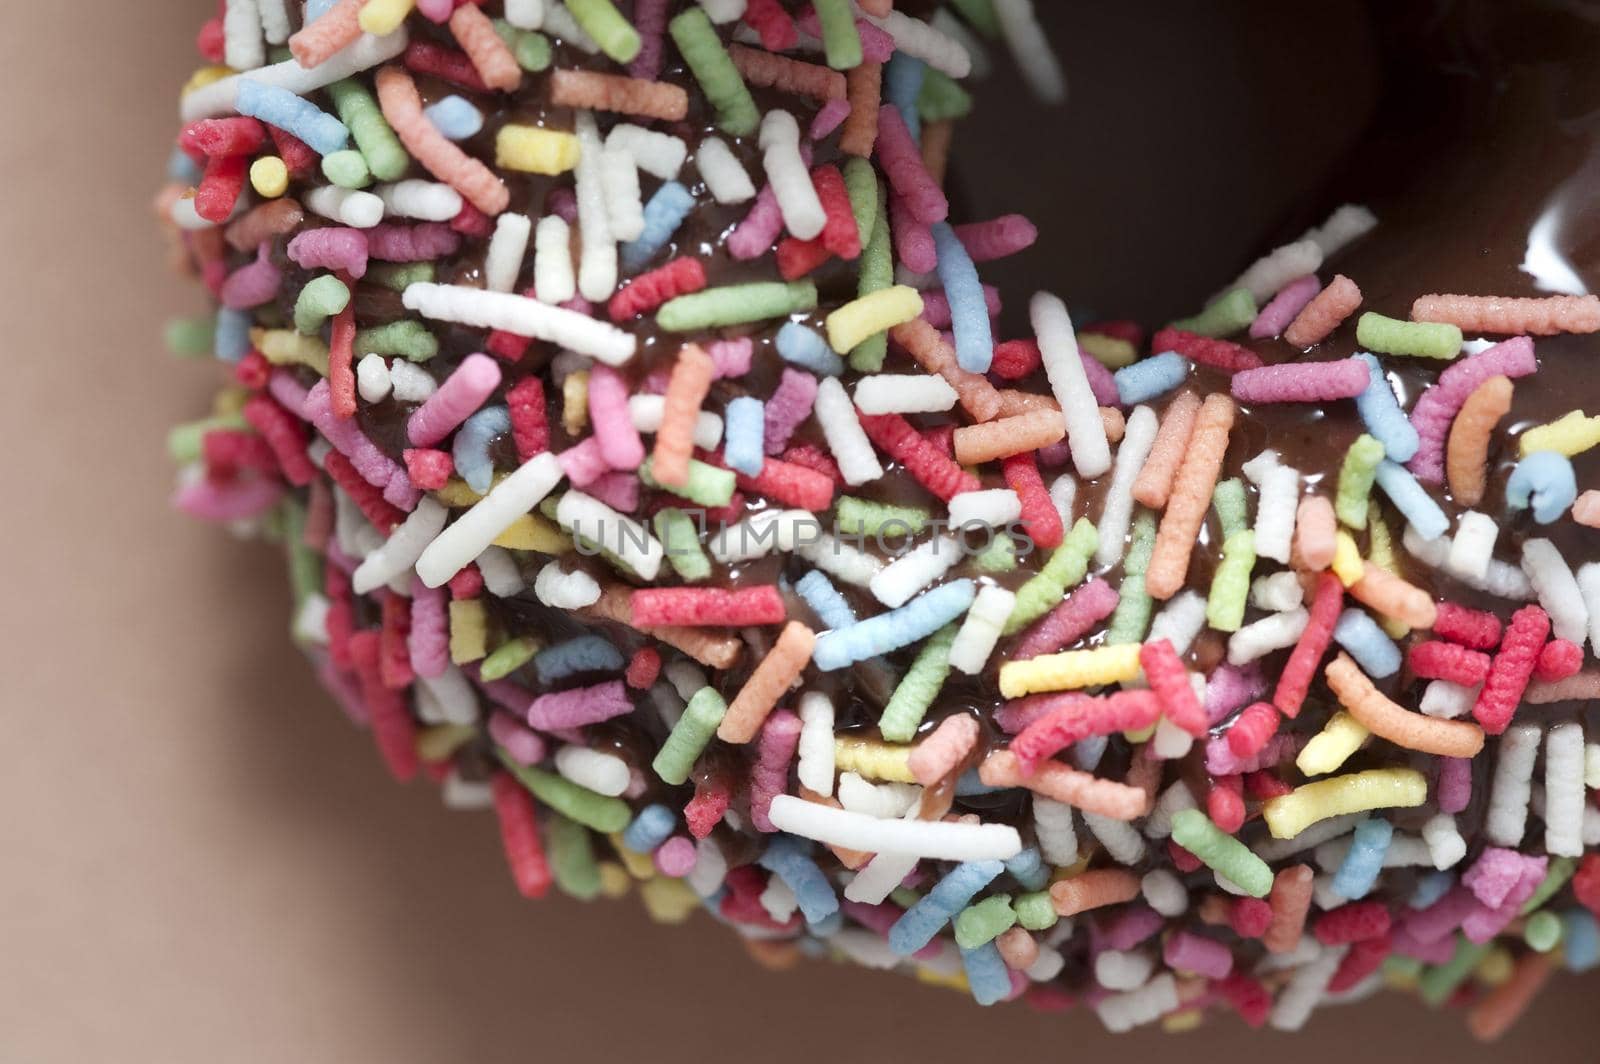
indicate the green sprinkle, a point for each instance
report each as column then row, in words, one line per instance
column 410, row 340
column 1437, row 984
column 1035, row 912
column 530, row 49
column 841, row 41
column 384, row 154
column 347, row 169
column 918, row 688
column 1542, row 932
column 904, row 897
column 305, row 564
column 191, row 337
column 719, row 79
column 980, row 13
column 1000, row 556
column 1228, row 313
column 707, row 484
column 569, row 799
column 680, row 539
column 984, row 921
column 736, row 304
column 1064, row 569
column 1420, row 338
column 942, row 98
column 689, row 736
column 439, row 742
column 1221, row 852
column 1233, row 513
column 614, row 34
column 867, row 518
column 184, row 441
column 1402, row 967
column 1131, row 620
column 400, row 275
column 1356, row 475
column 876, row 273
column 1230, row 582
column 861, row 184
column 319, row 300
column 1555, row 877
column 572, row 862
column 507, row 658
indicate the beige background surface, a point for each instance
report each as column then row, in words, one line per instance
column 199, row 859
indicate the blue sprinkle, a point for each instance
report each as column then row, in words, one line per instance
column 454, row 117
column 1412, row 500
column 315, row 9
column 879, row 634
column 969, row 311
column 1380, row 411
column 471, row 448
column 825, row 600
column 1546, row 480
column 1150, row 377
column 650, row 828
column 987, row 974
column 1028, row 869
column 666, row 211
column 968, row 784
column 232, row 339
column 1431, row 888
column 182, row 169
column 1373, row 650
column 1359, row 871
column 744, row 434
column 586, row 653
column 321, row 131
column 806, row 348
column 1086, row 753
column 1580, row 938
column 789, row 859
column 902, row 84
column 918, row 924
column 831, row 924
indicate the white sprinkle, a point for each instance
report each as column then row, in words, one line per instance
column 1507, row 818
column 979, row 633
column 1502, row 580
column 720, row 11
column 627, row 539
column 619, row 179
column 525, row 14
column 1164, row 892
column 657, row 154
column 565, row 591
column 411, row 383
column 956, row 30
column 1275, row 512
column 453, row 694
column 992, row 508
column 921, row 41
column 816, row 743
column 1173, row 800
column 1345, row 224
column 428, row 201
column 1052, row 824
column 310, row 623
column 600, row 772
column 372, row 378
column 724, row 175
column 597, row 268
column 466, row 537
column 879, row 877
column 903, row 578
column 1170, row 742
column 710, row 868
column 1117, row 969
column 936, row 840
column 1049, row 963
column 839, row 559
column 1447, row 700
column 885, row 801
column 1063, row 493
column 1564, row 794
column 1135, row 1008
column 352, row 207
column 1272, row 632
column 1305, row 991
column 646, row 412
column 1446, row 847
column 858, row 462
column 903, row 393
column 1120, row 839
column 1036, row 60
column 525, row 317
column 242, row 44
column 465, row 796
column 275, row 20
column 1058, row 347
column 503, row 261
column 217, row 98
column 1557, row 588
column 1472, row 548
column 1591, row 766
column 1589, row 586
column 1277, row 592
column 1117, row 510
column 559, row 23
column 762, row 533
column 1271, row 850
column 502, row 576
column 778, row 900
column 403, row 547
column 1278, row 267
column 553, row 278
column 786, row 172
column 1180, row 620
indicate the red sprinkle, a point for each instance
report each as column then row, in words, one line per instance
column 283, row 434
column 790, row 484
column 1120, row 329
column 425, row 57
column 253, row 370
column 1164, row 672
column 1511, row 669
column 1559, row 659
column 1586, row 883
column 341, row 614
column 1433, row 659
column 1252, row 728
column 1078, row 717
column 226, row 452
column 1477, row 629
column 648, row 291
column 1040, row 517
column 1184, row 861
column 1016, row 359
column 935, row 471
column 1247, row 996
column 519, row 835
column 369, row 499
column 395, row 663
column 814, row 457
column 1301, row 668
column 797, row 257
column 341, row 359
column 214, row 138
column 428, row 469
column 1225, row 803
column 387, row 713
column 220, row 187
column 470, row 221
column 707, row 606
column 1265, row 784
column 1355, row 922
column 1364, row 958
column 530, row 422
column 772, row 22
column 840, row 234
column 1223, row 355
column 210, row 40
column 297, row 155
column 643, row 668
column 467, row 584
column 508, row 345
column 1249, row 917
column 706, row 809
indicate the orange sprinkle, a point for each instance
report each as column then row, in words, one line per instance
column 1393, row 597
column 691, row 379
column 1190, row 497
column 1015, row 403
column 1508, row 316
column 769, row 71
column 977, row 396
column 702, row 644
column 1385, row 719
column 329, row 35
column 942, row 753
column 402, row 107
column 1065, row 784
column 593, row 91
column 877, row 8
column 864, row 89
column 1315, row 534
column 1008, row 436
column 1586, row 511
column 775, row 955
column 1290, row 900
column 271, row 219
column 1467, row 457
column 936, row 137
column 490, row 56
column 1017, row 948
column 1094, row 889
column 1495, row 1013
column 1323, row 314
column 1154, row 482
column 769, row 682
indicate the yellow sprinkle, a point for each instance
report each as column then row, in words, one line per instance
column 1380, row 552
column 1109, row 351
column 229, row 401
column 1332, row 747
column 469, row 630
column 1347, row 562
column 1569, row 435
column 457, row 495
column 535, row 151
column 873, row 758
column 1180, row 1022
column 669, row 901
column 614, row 880
column 956, row 980
column 1357, row 792
column 872, row 314
column 285, row 347
column 535, row 533
column 203, row 77
column 1495, row 967
column 639, row 865
column 441, row 741
column 1069, row 670
column 269, row 176
column 1142, row 735
column 1086, row 854
column 381, row 17
column 575, row 402
column 1399, row 979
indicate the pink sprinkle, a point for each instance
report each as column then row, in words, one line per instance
column 462, row 393
column 936, row 305
column 675, row 857
column 769, row 776
column 412, row 243
column 1222, row 761
column 1016, row 714
column 1437, row 921
column 1493, row 876
column 731, row 358
column 608, row 412
column 939, row 754
column 1188, row 952
column 1231, row 688
column 877, row 45
column 829, row 117
column 1102, row 382
column 331, row 248
column 429, row 469
column 437, row 10
column 580, row 706
column 650, row 20
column 1073, row 618
column 755, row 235
column 1134, row 924
column 1302, row 382
column 562, row 202
column 1056, row 454
column 290, row 393
column 1455, row 784
column 997, row 238
column 253, row 284
column 618, row 490
column 524, row 746
column 1285, row 306
column 400, row 491
column 1484, row 923
column 1408, row 945
column 1436, row 408
column 902, row 164
column 375, row 467
column 225, row 501
column 789, row 405
column 429, row 638
column 583, row 462
column 913, row 240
